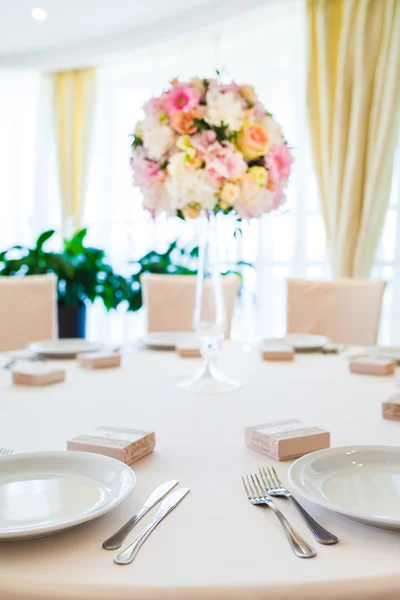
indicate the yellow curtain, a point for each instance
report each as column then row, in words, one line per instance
column 354, row 107
column 74, row 96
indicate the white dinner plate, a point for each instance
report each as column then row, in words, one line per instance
column 390, row 352
column 169, row 340
column 361, row 483
column 43, row 493
column 299, row 341
column 64, row 348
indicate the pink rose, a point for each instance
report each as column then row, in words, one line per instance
column 146, row 171
column 278, row 161
column 259, row 110
column 279, row 199
column 149, row 177
column 226, row 161
column 214, row 84
column 153, row 107
column 202, row 141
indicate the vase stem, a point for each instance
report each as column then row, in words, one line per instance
column 209, row 317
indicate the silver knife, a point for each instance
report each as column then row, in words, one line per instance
column 115, row 541
column 127, row 556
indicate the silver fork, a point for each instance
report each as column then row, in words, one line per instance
column 258, row 495
column 5, row 451
column 275, row 488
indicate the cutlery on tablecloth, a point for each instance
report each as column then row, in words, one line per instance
column 12, row 360
column 6, row 451
column 129, row 553
column 258, row 495
column 274, row 487
column 115, row 541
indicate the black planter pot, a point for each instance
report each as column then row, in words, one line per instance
column 71, row 321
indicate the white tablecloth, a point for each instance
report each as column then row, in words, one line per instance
column 215, row 545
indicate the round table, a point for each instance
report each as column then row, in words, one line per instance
column 215, row 544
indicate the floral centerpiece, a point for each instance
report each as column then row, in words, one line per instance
column 205, row 145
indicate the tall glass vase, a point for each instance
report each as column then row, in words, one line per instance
column 209, row 314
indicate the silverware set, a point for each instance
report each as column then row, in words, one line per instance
column 261, row 487
column 171, row 501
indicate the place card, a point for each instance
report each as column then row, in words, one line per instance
column 370, row 365
column 279, row 352
column 126, row 445
column 391, row 408
column 285, row 440
column 188, row 350
column 37, row 374
column 99, row 360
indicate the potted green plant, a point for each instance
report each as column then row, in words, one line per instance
column 83, row 275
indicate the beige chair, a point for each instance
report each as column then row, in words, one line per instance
column 170, row 299
column 28, row 310
column 347, row 311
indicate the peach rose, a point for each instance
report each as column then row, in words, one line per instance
column 229, row 194
column 183, row 121
column 253, row 141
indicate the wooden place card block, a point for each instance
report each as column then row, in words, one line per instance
column 188, row 351
column 126, row 445
column 391, row 408
column 99, row 360
column 37, row 375
column 279, row 352
column 285, row 440
column 372, row 366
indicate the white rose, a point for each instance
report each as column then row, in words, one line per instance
column 158, row 138
column 224, row 108
column 273, row 130
column 186, row 185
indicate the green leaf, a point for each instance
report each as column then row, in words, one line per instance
column 136, row 141
column 43, row 237
column 221, row 131
column 201, row 125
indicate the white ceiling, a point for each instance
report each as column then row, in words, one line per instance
column 73, row 22
column 85, row 32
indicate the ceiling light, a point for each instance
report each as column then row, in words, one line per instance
column 39, row 14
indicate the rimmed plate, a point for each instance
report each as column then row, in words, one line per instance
column 301, row 342
column 63, row 348
column 169, row 340
column 43, row 493
column 361, row 483
column 389, row 352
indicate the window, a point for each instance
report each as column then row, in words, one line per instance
column 279, row 245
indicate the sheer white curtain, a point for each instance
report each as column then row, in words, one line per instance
column 29, row 192
column 18, row 111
